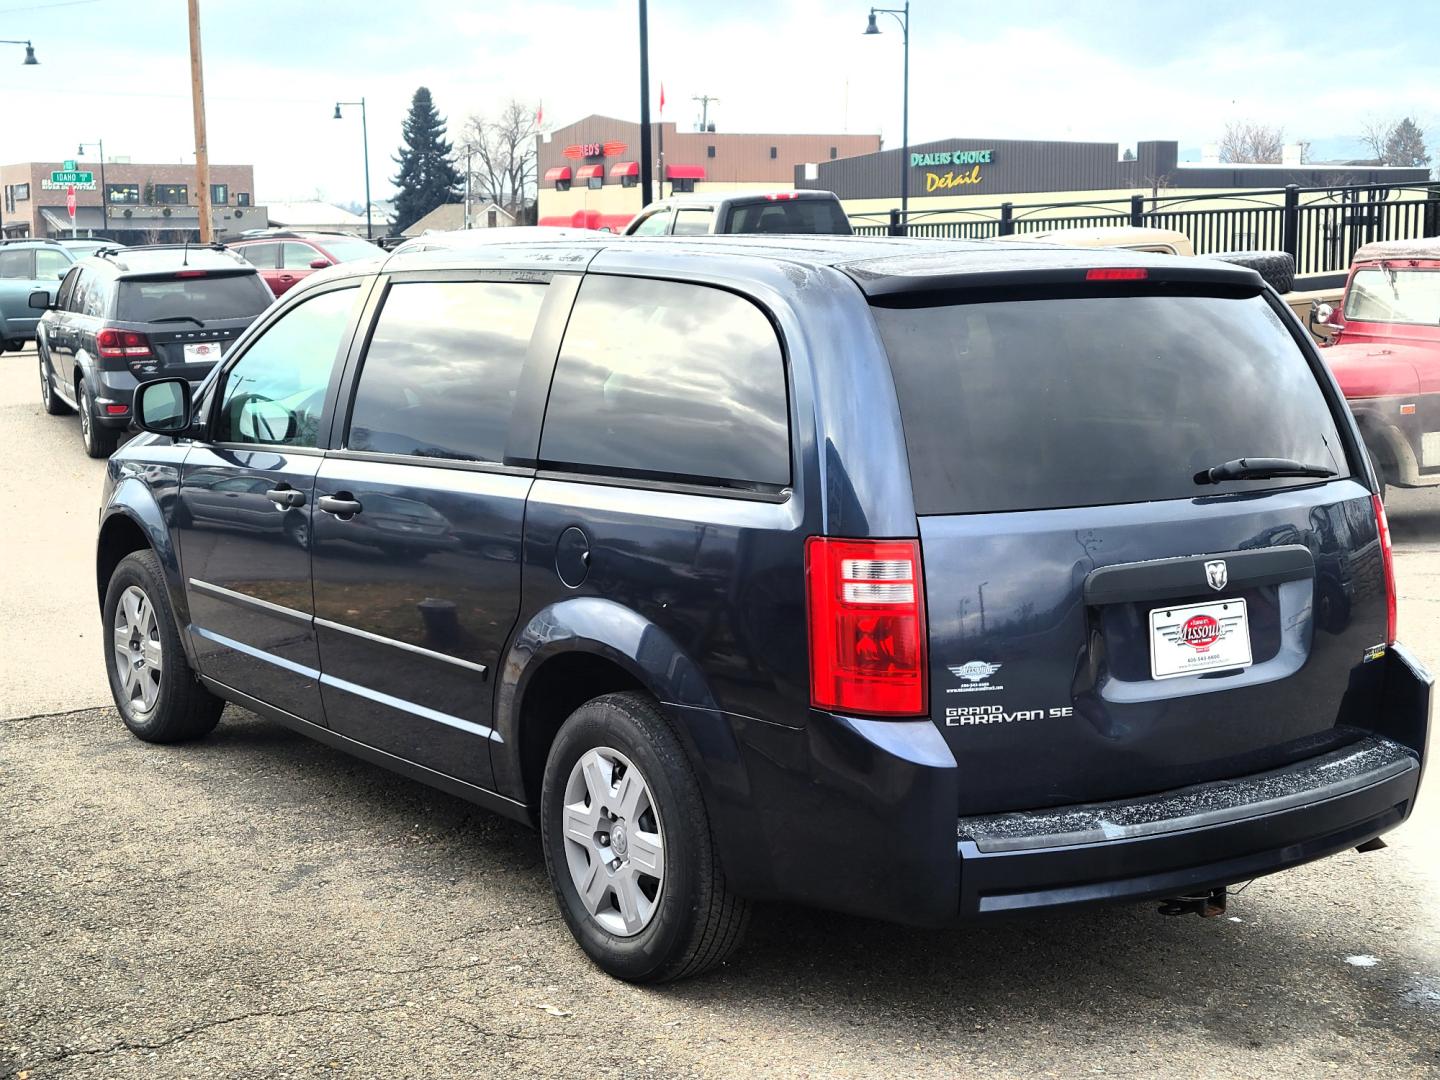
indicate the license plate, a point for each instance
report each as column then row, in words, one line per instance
column 1197, row 638
column 202, row 352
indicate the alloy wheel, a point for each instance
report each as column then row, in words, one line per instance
column 139, row 660
column 614, row 843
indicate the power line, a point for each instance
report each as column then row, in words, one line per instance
column 46, row 7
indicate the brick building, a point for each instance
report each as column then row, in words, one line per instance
column 142, row 203
column 589, row 170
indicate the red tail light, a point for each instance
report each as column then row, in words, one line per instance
column 121, row 344
column 1117, row 273
column 867, row 626
column 778, row 196
column 1387, row 554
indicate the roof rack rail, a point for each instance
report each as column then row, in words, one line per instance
column 31, row 240
column 213, row 246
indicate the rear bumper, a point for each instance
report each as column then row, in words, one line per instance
column 858, row 816
column 1186, row 841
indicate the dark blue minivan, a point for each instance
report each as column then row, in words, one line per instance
column 920, row 580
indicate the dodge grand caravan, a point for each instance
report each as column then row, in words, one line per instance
column 926, row 581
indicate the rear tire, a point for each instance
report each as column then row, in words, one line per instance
column 48, row 398
column 603, row 827
column 155, row 689
column 100, row 442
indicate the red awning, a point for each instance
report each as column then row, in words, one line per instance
column 590, row 172
column 625, row 168
column 560, row 172
column 684, row 172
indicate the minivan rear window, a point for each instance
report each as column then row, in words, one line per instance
column 1050, row 402
column 231, row 296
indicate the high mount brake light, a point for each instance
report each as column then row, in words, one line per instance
column 1117, row 273
column 1387, row 556
column 191, row 273
column 866, row 602
column 776, row 196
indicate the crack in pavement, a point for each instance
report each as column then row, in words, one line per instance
column 200, row 1028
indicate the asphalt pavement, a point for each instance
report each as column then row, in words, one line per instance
column 258, row 905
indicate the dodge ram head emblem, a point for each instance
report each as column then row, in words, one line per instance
column 1216, row 575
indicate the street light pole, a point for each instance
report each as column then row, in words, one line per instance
column 28, row 61
column 104, row 196
column 902, row 16
column 645, row 163
column 365, row 147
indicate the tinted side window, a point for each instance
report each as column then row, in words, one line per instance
column 275, row 393
column 264, row 256
column 657, row 224
column 668, row 379
column 692, row 222
column 441, row 370
column 297, row 256
column 96, row 296
column 50, row 265
column 16, row 263
column 67, row 290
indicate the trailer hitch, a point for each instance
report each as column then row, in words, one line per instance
column 1207, row 906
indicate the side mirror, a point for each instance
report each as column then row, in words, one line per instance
column 1321, row 313
column 60, row 275
column 319, row 264
column 41, row 300
column 163, row 406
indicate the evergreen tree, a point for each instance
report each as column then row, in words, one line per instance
column 1405, row 145
column 427, row 178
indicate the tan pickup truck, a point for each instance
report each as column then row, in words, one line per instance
column 1276, row 267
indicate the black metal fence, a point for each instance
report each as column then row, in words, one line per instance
column 1320, row 227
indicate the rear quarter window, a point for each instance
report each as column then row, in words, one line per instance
column 1052, row 402
column 669, row 380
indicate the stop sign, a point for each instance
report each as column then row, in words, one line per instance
column 70, row 200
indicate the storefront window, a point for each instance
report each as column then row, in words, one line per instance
column 122, row 194
column 220, row 194
column 682, row 187
column 172, row 194
column 22, row 192
column 242, row 198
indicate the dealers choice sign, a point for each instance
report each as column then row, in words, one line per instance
column 964, row 167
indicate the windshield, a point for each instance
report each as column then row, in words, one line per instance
column 789, row 216
column 233, row 296
column 350, row 248
column 1051, row 402
column 1398, row 296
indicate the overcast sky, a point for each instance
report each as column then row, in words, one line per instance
column 1114, row 70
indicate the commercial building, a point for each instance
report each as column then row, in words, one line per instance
column 961, row 174
column 139, row 203
column 589, row 170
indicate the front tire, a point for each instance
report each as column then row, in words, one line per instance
column 100, row 442
column 157, row 693
column 628, row 845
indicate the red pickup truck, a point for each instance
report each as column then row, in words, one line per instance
column 1386, row 356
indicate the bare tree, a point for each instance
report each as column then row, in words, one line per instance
column 1375, row 134
column 1248, row 142
column 502, row 153
column 1395, row 142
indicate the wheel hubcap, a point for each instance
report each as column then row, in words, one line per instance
column 614, row 844
column 138, row 657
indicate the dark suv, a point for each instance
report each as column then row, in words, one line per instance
column 126, row 315
column 916, row 579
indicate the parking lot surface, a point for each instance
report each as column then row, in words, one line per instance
column 258, row 905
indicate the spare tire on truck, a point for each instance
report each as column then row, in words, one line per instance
column 1276, row 267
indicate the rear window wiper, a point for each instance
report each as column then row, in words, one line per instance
column 180, row 318
column 1260, row 468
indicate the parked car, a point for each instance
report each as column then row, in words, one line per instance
column 25, row 266
column 1386, row 356
column 1276, row 267
column 803, row 212
column 462, row 239
column 125, row 316
column 884, row 600
column 85, row 245
column 286, row 257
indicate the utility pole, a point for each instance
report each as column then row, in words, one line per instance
column 202, row 150
column 705, row 100
column 646, row 165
